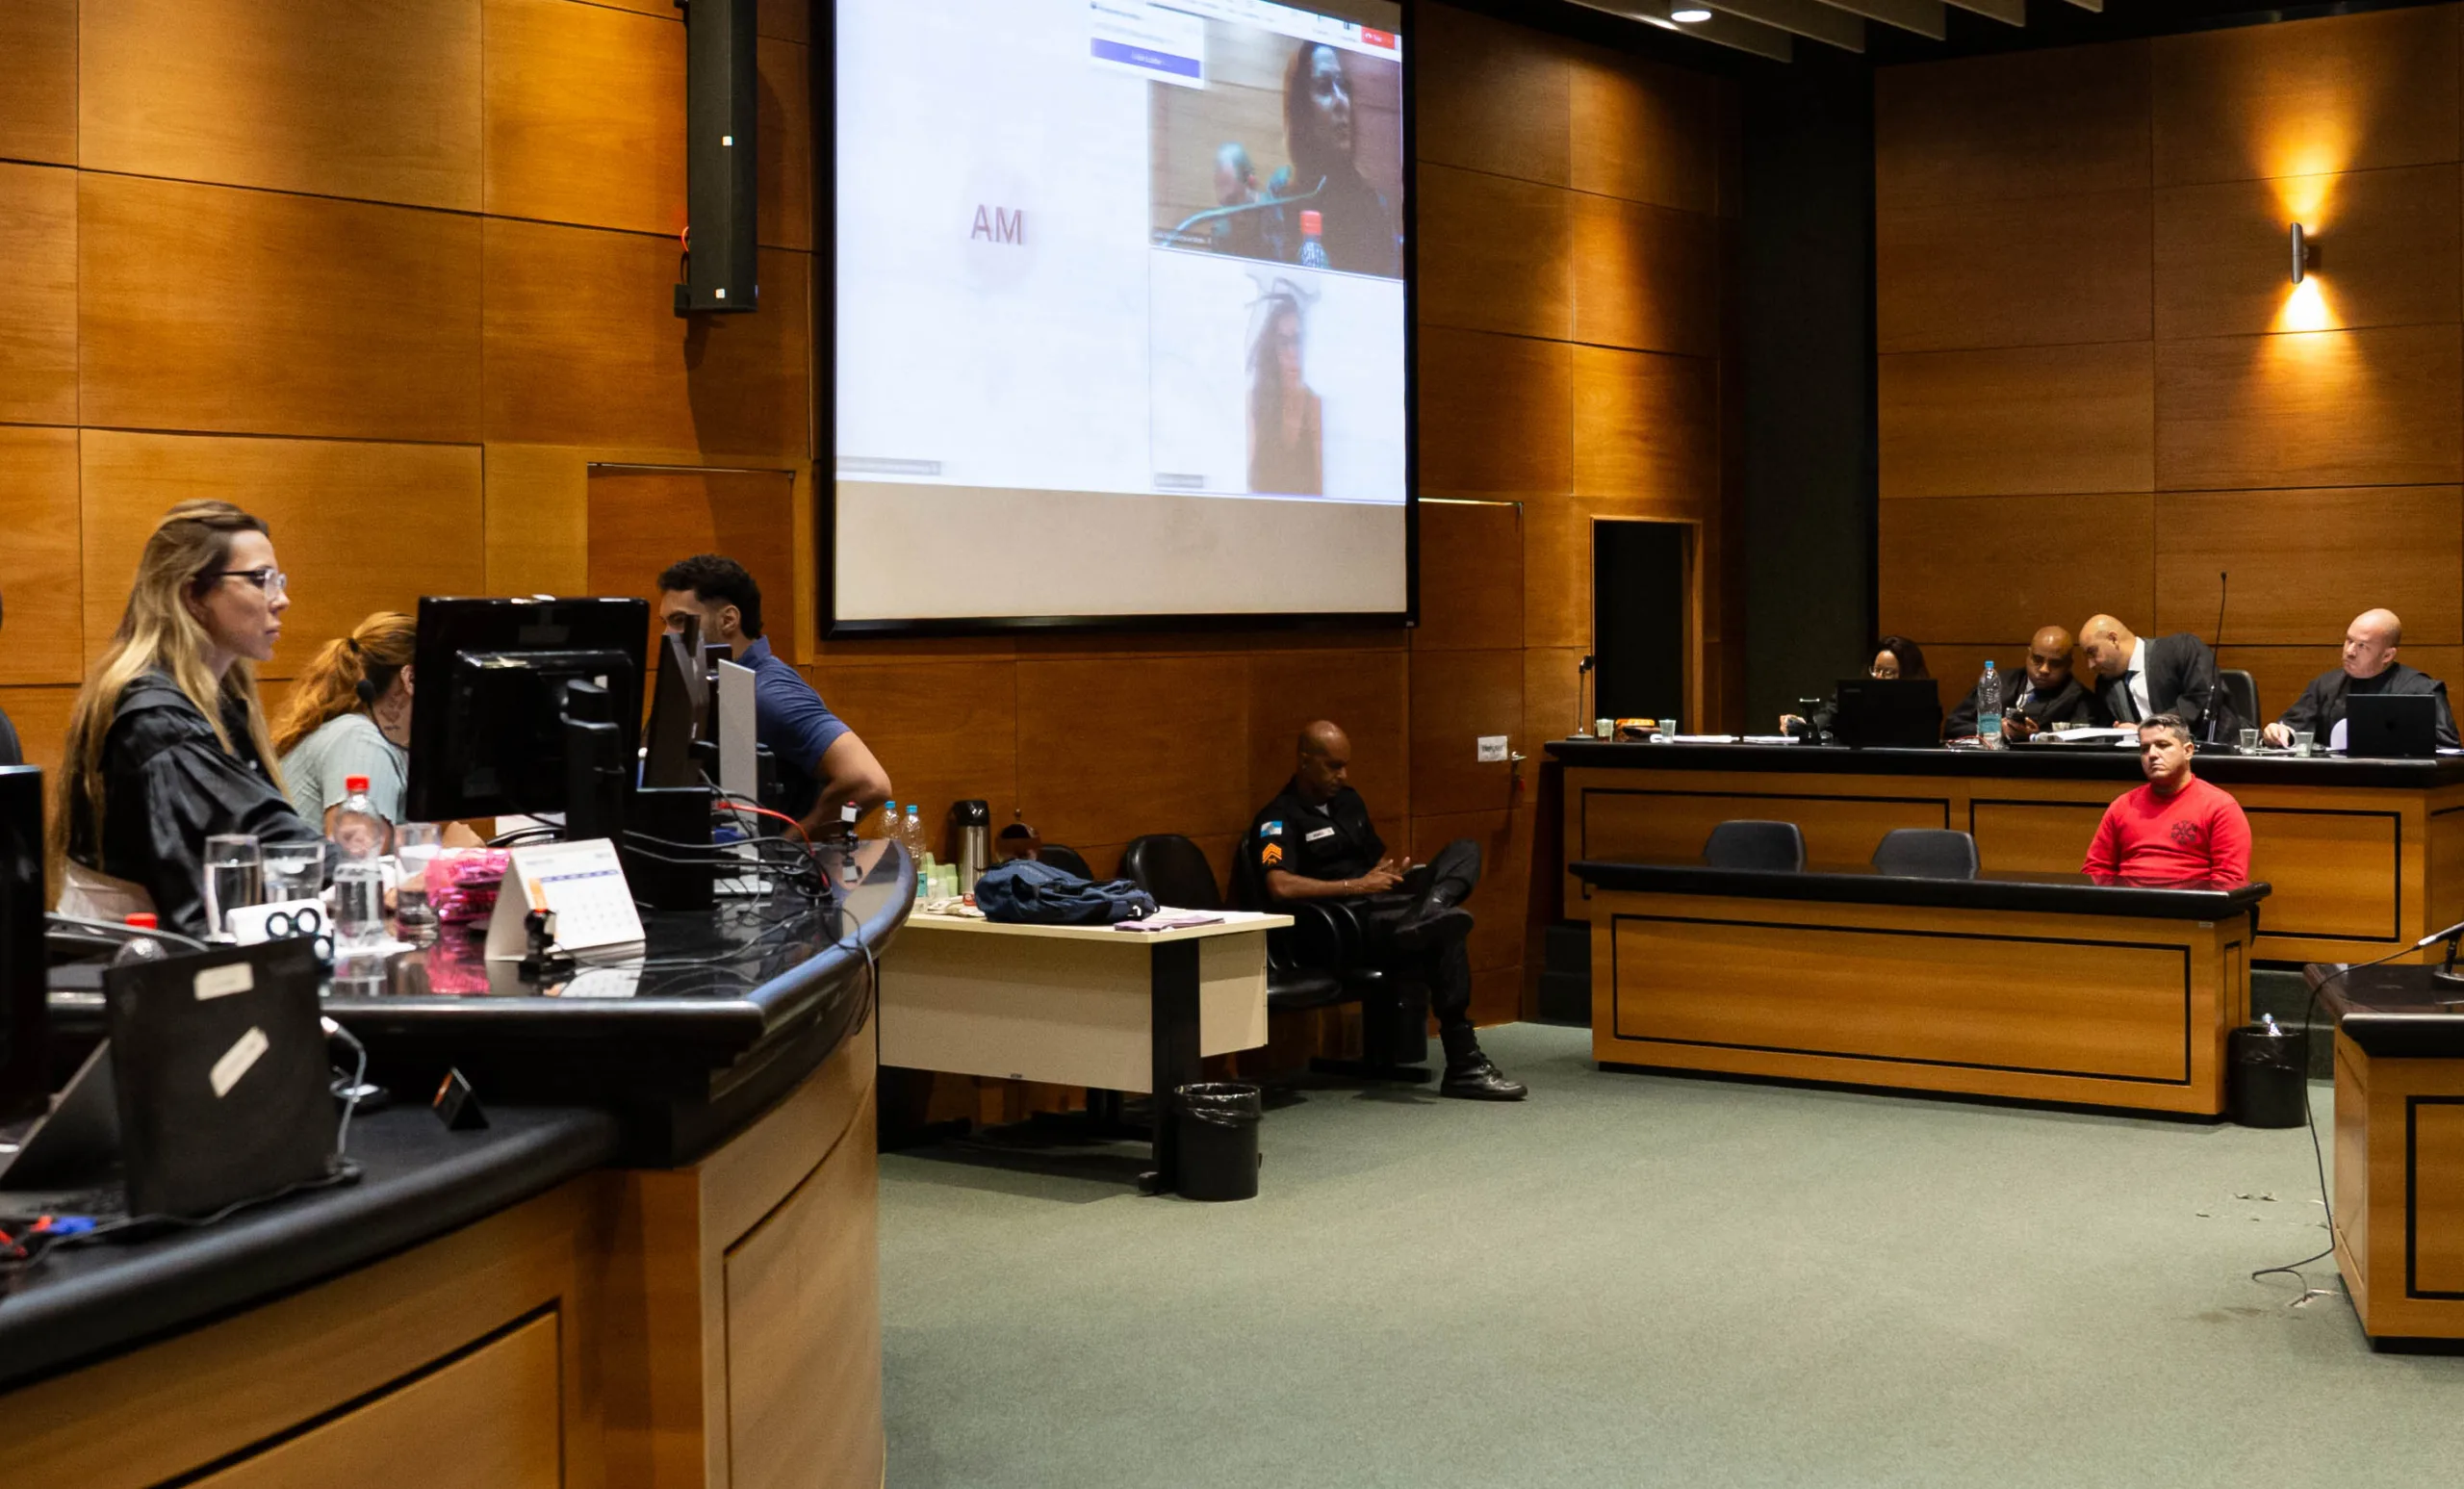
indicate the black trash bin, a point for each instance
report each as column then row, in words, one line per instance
column 1217, row 1126
column 2267, row 1076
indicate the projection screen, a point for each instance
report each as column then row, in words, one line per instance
column 1123, row 314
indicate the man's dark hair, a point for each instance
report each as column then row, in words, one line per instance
column 724, row 581
column 2171, row 723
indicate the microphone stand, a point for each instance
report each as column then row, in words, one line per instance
column 1237, row 208
column 1582, row 669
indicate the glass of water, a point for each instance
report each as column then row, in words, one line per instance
column 234, row 878
column 415, row 847
column 295, row 871
column 2301, row 738
column 2250, row 741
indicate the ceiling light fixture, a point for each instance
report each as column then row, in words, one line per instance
column 1693, row 16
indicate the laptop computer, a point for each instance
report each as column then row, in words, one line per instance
column 1889, row 714
column 2391, row 726
column 69, row 1161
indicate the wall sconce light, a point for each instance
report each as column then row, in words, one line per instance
column 2306, row 254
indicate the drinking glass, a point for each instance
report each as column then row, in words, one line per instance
column 2301, row 738
column 295, row 871
column 415, row 846
column 1602, row 729
column 234, row 878
column 2250, row 741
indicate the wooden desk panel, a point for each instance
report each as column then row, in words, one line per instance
column 2400, row 1193
column 2356, row 871
column 1924, row 997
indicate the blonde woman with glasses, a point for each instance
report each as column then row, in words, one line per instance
column 166, row 743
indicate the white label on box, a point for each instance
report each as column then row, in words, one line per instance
column 221, row 982
column 236, row 1060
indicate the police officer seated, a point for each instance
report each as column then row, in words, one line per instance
column 1315, row 842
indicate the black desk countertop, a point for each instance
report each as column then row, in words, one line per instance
column 418, row 1180
column 2392, row 1011
column 2021, row 762
column 2072, row 894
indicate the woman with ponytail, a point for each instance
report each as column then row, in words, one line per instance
column 349, row 714
column 167, row 742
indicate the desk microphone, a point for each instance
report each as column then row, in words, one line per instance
column 2224, row 588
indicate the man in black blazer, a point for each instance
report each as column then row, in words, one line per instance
column 2043, row 697
column 2369, row 666
column 2139, row 680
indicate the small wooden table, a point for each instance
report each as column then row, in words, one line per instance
column 2400, row 1149
column 1091, row 1005
column 2045, row 987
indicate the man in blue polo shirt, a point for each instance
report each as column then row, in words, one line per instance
column 822, row 765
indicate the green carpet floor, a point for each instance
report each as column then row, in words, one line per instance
column 1646, row 1281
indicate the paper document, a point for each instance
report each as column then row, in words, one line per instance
column 1169, row 920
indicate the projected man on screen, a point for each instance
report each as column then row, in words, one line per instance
column 1356, row 222
column 1315, row 842
column 1287, row 428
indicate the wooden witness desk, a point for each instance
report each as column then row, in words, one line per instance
column 2037, row 987
column 2399, row 1149
column 2364, row 855
column 1128, row 1010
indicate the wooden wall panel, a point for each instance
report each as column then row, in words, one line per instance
column 37, row 294
column 317, row 496
column 1174, row 773
column 2325, row 408
column 1641, row 276
column 2048, row 123
column 2021, row 271
column 1491, row 97
column 1556, row 561
column 1508, row 260
column 1645, row 425
column 643, row 518
column 585, row 115
column 1367, row 694
column 2018, row 422
column 944, row 731
column 2058, row 560
column 783, row 129
column 2305, row 563
column 1496, row 412
column 375, row 99
column 41, row 717
column 38, row 108
column 39, row 564
column 2345, row 93
column 1456, row 698
column 1643, row 131
column 584, row 347
column 2390, row 251
column 204, row 307
column 1471, row 576
column 538, row 520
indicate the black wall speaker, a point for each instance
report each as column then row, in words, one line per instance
column 722, row 84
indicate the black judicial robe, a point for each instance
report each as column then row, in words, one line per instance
column 2321, row 708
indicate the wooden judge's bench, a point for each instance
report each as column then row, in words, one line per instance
column 2364, row 855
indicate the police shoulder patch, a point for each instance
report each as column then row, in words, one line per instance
column 1271, row 855
column 1271, row 829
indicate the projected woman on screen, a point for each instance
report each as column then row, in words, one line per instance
column 1287, row 439
column 1356, row 223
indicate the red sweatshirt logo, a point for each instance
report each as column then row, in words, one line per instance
column 2185, row 834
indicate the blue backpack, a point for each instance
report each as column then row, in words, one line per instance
column 1025, row 892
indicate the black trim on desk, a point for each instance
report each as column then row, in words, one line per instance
column 1616, row 1028
column 2412, row 1193
column 1583, row 807
column 2049, row 763
column 2021, row 897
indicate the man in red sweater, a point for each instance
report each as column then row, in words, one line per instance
column 2177, row 828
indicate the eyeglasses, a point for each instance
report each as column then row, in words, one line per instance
column 273, row 582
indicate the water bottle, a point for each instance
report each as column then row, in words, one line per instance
column 1313, row 246
column 359, row 874
column 1989, row 707
column 911, row 833
column 141, row 948
column 889, row 820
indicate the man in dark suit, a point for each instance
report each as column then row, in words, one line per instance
column 2369, row 666
column 2137, row 680
column 2045, row 696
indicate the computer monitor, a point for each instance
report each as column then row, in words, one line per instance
column 25, row 1020
column 488, row 716
column 1889, row 714
column 2391, row 726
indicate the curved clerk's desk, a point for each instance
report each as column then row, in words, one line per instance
column 2040, row 988
column 2365, row 856
column 656, row 1266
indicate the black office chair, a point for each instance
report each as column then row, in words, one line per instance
column 1174, row 869
column 2242, row 691
column 1066, row 859
column 1776, row 847
column 1927, row 853
column 1315, row 963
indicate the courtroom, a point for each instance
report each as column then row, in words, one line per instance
column 733, row 743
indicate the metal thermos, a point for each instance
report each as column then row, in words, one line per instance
column 974, row 823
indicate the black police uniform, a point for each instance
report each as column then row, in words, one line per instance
column 1336, row 841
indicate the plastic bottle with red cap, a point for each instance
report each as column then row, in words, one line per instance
column 1313, row 239
column 141, row 947
column 360, row 833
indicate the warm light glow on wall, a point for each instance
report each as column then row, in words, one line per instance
column 2305, row 200
column 2305, row 308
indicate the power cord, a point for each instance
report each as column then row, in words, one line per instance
column 21, row 1252
column 352, row 1094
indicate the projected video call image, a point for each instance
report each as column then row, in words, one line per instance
column 1107, row 248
